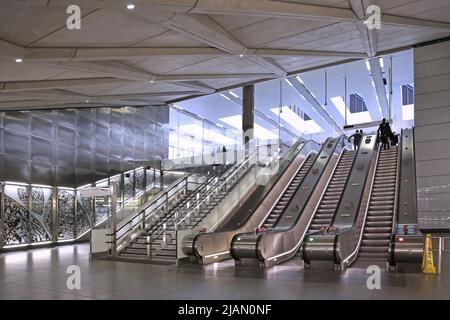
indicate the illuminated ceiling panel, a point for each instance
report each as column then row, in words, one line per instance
column 260, row 132
column 206, row 134
column 307, row 127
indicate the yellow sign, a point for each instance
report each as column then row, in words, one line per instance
column 428, row 262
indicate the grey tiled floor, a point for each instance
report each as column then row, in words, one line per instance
column 41, row 274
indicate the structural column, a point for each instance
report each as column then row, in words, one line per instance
column 248, row 111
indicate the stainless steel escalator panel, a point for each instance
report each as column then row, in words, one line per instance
column 407, row 241
column 342, row 237
column 281, row 242
column 214, row 246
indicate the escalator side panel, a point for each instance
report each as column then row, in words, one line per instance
column 279, row 243
column 276, row 247
column 407, row 243
column 341, row 241
column 213, row 247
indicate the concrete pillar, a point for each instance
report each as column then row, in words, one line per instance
column 248, row 112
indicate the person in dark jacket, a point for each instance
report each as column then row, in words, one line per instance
column 384, row 131
column 394, row 139
column 357, row 136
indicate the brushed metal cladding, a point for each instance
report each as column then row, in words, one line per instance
column 408, row 242
column 407, row 210
column 74, row 147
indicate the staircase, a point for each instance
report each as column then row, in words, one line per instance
column 137, row 249
column 216, row 198
column 159, row 242
column 378, row 226
column 283, row 202
column 330, row 201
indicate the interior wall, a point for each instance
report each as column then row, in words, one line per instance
column 74, row 147
column 432, row 134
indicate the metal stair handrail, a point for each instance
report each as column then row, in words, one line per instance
column 228, row 177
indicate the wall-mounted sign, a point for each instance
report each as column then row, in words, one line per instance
column 95, row 192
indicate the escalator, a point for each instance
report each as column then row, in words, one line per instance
column 378, row 227
column 285, row 199
column 376, row 221
column 330, row 200
column 253, row 211
column 293, row 212
column 338, row 243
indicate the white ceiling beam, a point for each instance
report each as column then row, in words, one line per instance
column 368, row 36
column 10, row 50
column 195, row 85
column 380, row 88
column 44, row 95
column 99, row 54
column 63, row 104
column 206, row 30
column 409, row 22
column 306, row 53
column 269, row 64
column 108, row 68
column 95, row 54
column 273, row 9
column 58, row 84
column 86, row 82
column 194, row 77
column 156, row 5
column 315, row 108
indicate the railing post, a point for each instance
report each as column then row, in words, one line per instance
column 149, row 247
column 440, row 255
column 143, row 220
column 113, row 222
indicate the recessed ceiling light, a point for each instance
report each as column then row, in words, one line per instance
column 131, row 6
column 152, row 81
column 241, row 55
column 87, row 101
column 18, row 60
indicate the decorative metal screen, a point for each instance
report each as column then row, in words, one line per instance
column 41, row 214
column 82, row 217
column 66, row 214
column 140, row 181
column 16, row 214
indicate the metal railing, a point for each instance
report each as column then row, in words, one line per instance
column 232, row 173
column 143, row 214
column 137, row 224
